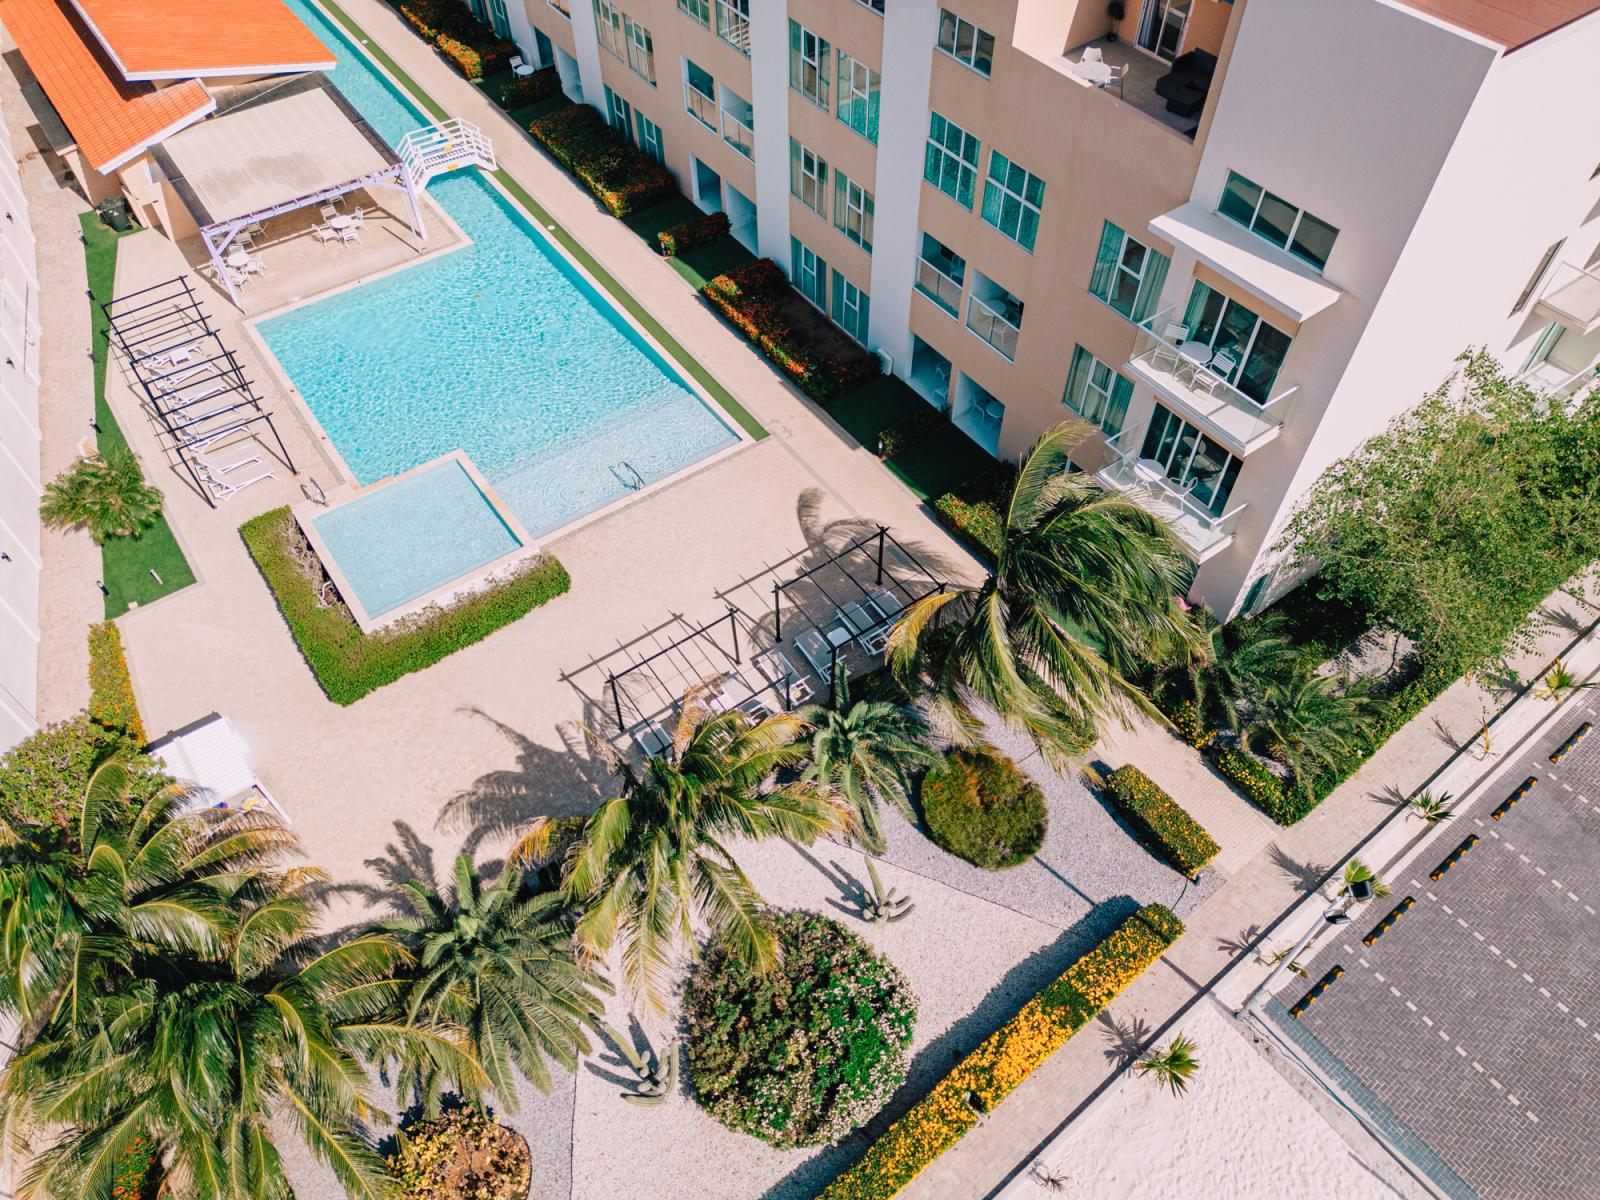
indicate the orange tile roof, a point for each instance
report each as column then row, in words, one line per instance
column 110, row 119
column 1508, row 23
column 165, row 39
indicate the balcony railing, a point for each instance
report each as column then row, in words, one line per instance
column 733, row 26
column 993, row 327
column 738, row 134
column 1202, row 531
column 938, row 287
column 1572, row 298
column 1213, row 402
column 702, row 108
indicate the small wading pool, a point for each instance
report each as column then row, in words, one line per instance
column 419, row 538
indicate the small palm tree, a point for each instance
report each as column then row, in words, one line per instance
column 1173, row 1067
column 1356, row 871
column 501, row 967
column 1433, row 810
column 106, row 495
column 1237, row 663
column 1311, row 723
column 1559, row 683
column 865, row 753
column 654, row 855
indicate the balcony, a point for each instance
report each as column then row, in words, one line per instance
column 1204, row 534
column 997, row 320
column 940, row 288
column 701, row 107
column 1133, row 80
column 1211, row 402
column 738, row 134
column 1572, row 299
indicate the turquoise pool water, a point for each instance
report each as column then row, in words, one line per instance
column 500, row 349
column 414, row 535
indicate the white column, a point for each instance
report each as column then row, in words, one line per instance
column 769, row 75
column 909, row 31
column 587, row 43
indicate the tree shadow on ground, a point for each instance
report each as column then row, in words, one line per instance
column 1125, row 1040
column 936, row 1059
column 1306, row 876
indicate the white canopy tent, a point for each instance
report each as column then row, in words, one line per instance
column 213, row 760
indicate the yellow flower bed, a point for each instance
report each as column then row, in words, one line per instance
column 991, row 1072
column 111, row 701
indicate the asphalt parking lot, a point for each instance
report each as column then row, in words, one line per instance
column 1475, row 1017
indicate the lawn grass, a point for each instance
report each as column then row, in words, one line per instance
column 875, row 406
column 942, row 463
column 703, row 263
column 125, row 563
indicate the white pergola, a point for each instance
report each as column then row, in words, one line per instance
column 294, row 146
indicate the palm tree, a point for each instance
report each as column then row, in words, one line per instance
column 1085, row 588
column 655, row 855
column 1356, row 871
column 1559, row 683
column 500, row 966
column 1173, row 1067
column 107, row 495
column 1431, row 809
column 1309, row 722
column 864, row 753
column 1237, row 663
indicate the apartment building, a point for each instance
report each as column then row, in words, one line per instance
column 1237, row 239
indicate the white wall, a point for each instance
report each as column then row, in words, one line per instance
column 769, row 79
column 586, row 42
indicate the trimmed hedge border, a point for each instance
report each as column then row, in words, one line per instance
column 348, row 663
column 111, row 701
column 466, row 43
column 686, row 235
column 622, row 177
column 1161, row 820
column 1008, row 1056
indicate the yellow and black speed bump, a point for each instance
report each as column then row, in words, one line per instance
column 1510, row 802
column 1453, row 857
column 1317, row 989
column 1382, row 927
column 1578, row 734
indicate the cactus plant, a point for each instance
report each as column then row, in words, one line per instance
column 881, row 906
column 657, row 1073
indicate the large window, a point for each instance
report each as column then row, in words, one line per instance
column 649, row 136
column 608, row 26
column 733, row 24
column 700, row 93
column 808, row 178
column 618, row 112
column 1011, row 200
column 940, row 274
column 1245, row 350
column 808, row 64
column 809, row 273
column 1274, row 218
column 858, row 96
column 850, row 306
column 1097, row 393
column 641, row 50
column 951, row 162
column 1192, row 461
column 700, row 10
column 965, row 42
column 852, row 210
column 1127, row 274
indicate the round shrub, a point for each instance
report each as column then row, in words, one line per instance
column 805, row 1054
column 464, row 1155
column 979, row 806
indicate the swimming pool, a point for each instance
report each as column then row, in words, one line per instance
column 501, row 349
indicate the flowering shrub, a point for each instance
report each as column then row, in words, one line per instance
column 758, row 301
column 1191, row 726
column 464, row 1155
column 981, row 807
column 42, row 779
column 1160, row 820
column 688, row 234
column 622, row 177
column 1284, row 803
column 807, row 1053
column 472, row 47
column 530, row 89
column 979, row 522
column 136, row 1175
column 111, row 701
column 991, row 1072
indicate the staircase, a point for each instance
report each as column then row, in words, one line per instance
column 435, row 149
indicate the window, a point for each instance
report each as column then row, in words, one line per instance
column 733, row 24
column 951, row 163
column 641, row 50
column 1011, row 200
column 940, row 274
column 1097, row 393
column 965, row 42
column 1256, row 349
column 738, row 122
column 850, row 305
column 700, row 94
column 700, row 10
column 1128, row 275
column 808, row 64
column 875, row 5
column 852, row 210
column 809, row 273
column 994, row 314
column 561, row 7
column 649, row 137
column 618, row 112
column 608, row 25
column 1274, row 218
column 808, row 178
column 1538, row 276
column 1192, row 461
column 858, row 97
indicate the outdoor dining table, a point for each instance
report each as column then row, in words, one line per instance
column 1194, row 355
column 1097, row 73
column 238, row 258
column 342, row 221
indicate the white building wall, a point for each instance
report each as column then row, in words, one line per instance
column 769, row 78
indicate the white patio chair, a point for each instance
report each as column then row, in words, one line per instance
column 519, row 68
column 1092, row 54
column 325, row 233
column 1219, row 371
column 329, row 212
column 350, row 233
column 256, row 266
column 243, row 240
column 237, row 277
column 1171, row 337
column 1118, row 75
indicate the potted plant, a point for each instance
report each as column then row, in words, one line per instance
column 1116, row 10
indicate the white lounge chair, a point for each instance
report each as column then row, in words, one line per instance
column 857, row 618
column 207, row 466
column 225, row 489
column 204, row 391
column 174, row 381
column 519, row 68
column 650, row 737
column 775, row 666
column 171, row 358
column 817, row 652
column 886, row 603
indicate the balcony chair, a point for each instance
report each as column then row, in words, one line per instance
column 519, row 68
column 1185, row 87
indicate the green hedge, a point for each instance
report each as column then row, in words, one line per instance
column 979, row 806
column 915, row 429
column 1161, row 820
column 686, row 235
column 621, row 176
column 1013, row 1052
column 530, row 89
column 348, row 663
column 1284, row 802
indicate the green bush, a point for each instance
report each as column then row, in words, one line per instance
column 808, row 1052
column 686, row 235
column 111, row 701
column 922, row 424
column 1284, row 802
column 1160, row 820
column 980, row 523
column 42, row 779
column 979, row 806
column 621, row 176
column 464, row 1155
column 1191, row 726
column 348, row 663
column 138, row 1173
column 530, row 89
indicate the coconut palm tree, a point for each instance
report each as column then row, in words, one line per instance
column 1173, row 1067
column 1085, row 588
column 1356, row 871
column 655, row 855
column 1236, row 664
column 106, row 495
column 865, row 752
column 1315, row 721
column 499, row 965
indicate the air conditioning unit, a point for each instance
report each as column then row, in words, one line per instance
column 887, row 361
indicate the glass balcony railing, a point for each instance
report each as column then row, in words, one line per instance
column 702, row 108
column 993, row 326
column 1179, row 371
column 938, row 287
column 1201, row 530
column 1572, row 298
column 738, row 134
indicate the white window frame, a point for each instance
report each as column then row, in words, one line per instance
column 608, row 27
column 619, row 113
column 858, row 88
column 690, row 92
column 733, row 24
column 935, row 293
column 955, row 40
column 646, row 50
column 960, row 161
column 648, row 137
column 812, row 175
column 810, row 265
column 856, row 198
column 817, row 62
column 1300, row 214
column 850, row 297
column 1102, row 403
column 692, row 9
column 989, row 180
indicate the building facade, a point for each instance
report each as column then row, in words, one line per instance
column 1237, row 239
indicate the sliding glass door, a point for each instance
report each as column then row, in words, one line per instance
column 1161, row 27
column 1191, row 460
column 1252, row 352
